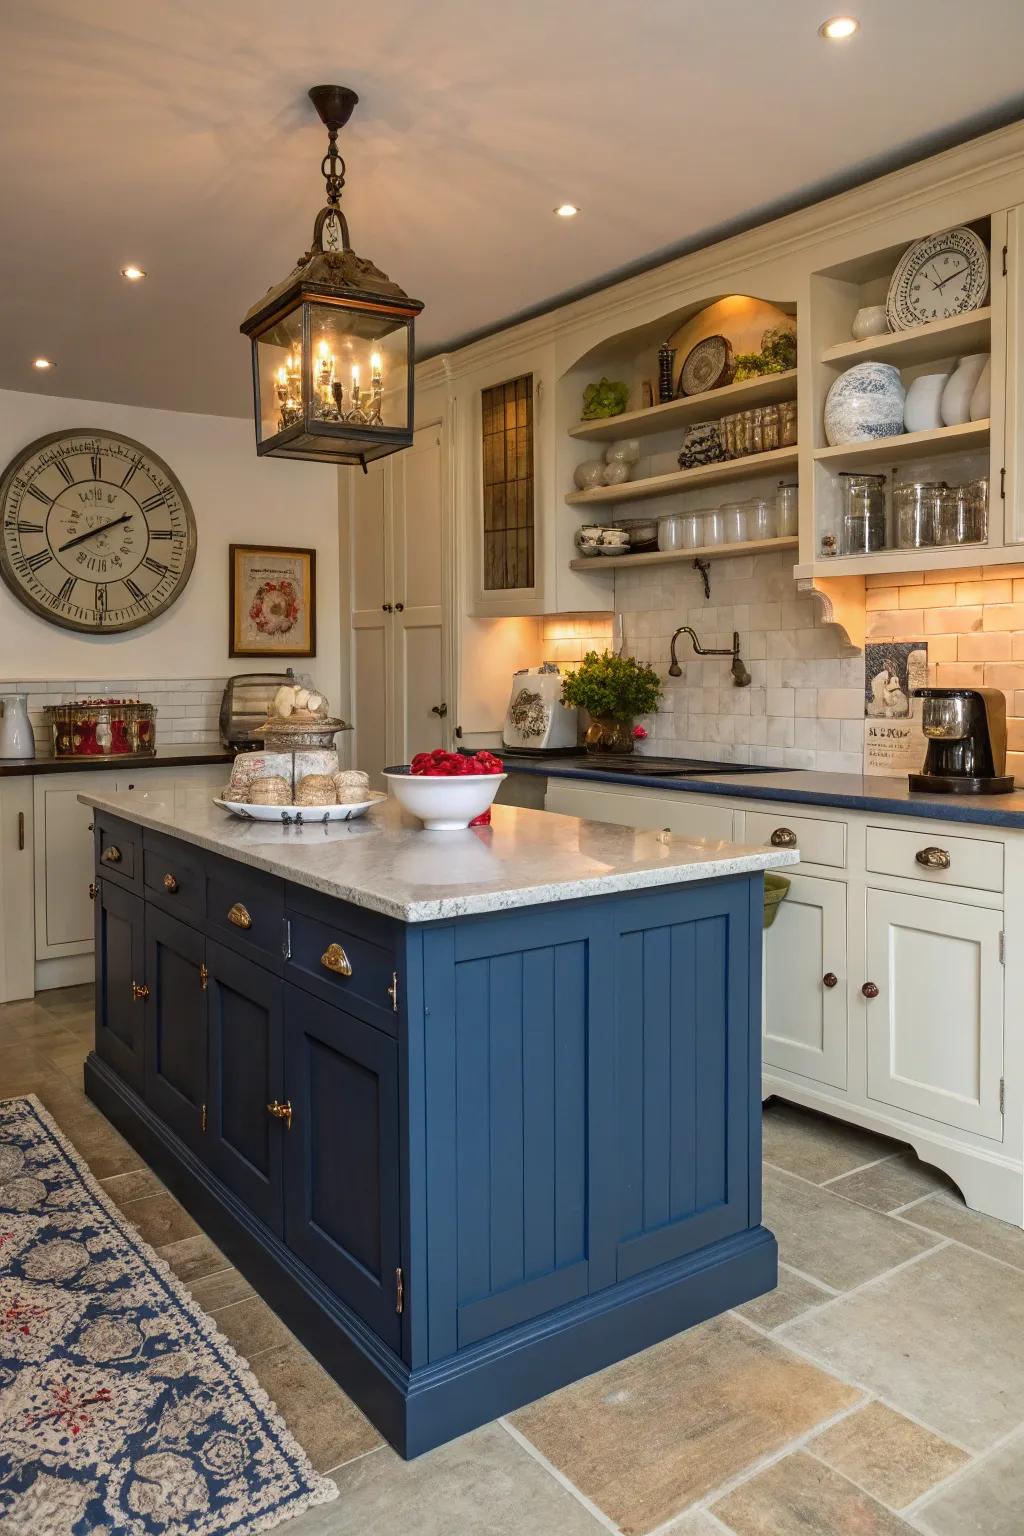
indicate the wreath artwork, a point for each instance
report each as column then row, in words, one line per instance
column 273, row 601
column 275, row 608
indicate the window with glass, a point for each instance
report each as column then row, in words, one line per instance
column 508, row 493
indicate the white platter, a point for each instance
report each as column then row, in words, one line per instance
column 300, row 815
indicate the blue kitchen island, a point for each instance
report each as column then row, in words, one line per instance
column 477, row 1113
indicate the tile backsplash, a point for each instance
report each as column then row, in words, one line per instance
column 188, row 709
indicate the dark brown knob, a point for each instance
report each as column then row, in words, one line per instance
column 869, row 989
column 399, row 607
column 830, row 979
column 388, row 607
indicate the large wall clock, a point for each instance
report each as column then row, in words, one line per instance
column 98, row 534
column 938, row 277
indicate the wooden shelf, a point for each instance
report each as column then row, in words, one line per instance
column 923, row 344
column 944, row 557
column 753, row 467
column 768, row 389
column 909, row 445
column 597, row 563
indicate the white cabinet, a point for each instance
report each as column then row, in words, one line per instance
column 64, row 862
column 805, row 982
column 681, row 814
column 17, row 960
column 935, row 1027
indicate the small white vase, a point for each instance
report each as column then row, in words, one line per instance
column 872, row 320
column 922, row 411
column 981, row 400
column 956, row 397
column 16, row 738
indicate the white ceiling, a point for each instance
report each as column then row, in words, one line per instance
column 177, row 134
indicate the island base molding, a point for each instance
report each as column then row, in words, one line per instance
column 419, row 1409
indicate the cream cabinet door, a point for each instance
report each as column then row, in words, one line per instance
column 805, row 982
column 420, row 714
column 371, row 632
column 935, row 1028
column 640, row 808
column 64, row 862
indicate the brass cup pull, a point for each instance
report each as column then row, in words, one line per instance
column 933, row 858
column 783, row 837
column 869, row 989
column 170, row 884
column 139, row 992
column 239, row 916
column 281, row 1111
column 335, row 959
column 830, row 979
column 111, row 855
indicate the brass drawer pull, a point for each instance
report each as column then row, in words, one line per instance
column 139, row 992
column 111, row 855
column 783, row 837
column 239, row 916
column 281, row 1111
column 170, row 884
column 933, row 858
column 335, row 959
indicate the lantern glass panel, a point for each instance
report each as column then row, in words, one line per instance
column 360, row 366
column 278, row 363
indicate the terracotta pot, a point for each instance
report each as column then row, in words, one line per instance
column 605, row 735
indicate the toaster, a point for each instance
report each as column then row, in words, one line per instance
column 246, row 704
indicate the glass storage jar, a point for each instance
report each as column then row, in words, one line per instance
column 752, row 439
column 787, row 509
column 963, row 513
column 761, row 519
column 734, row 520
column 787, row 424
column 714, row 527
column 727, row 432
column 863, row 514
column 916, row 507
column 769, row 427
column 670, row 532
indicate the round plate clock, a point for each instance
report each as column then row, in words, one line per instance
column 938, row 277
column 98, row 534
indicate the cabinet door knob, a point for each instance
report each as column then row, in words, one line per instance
column 111, row 855
column 830, row 979
column 239, row 916
column 388, row 607
column 335, row 959
column 783, row 837
column 399, row 607
column 92, row 891
column 869, row 989
column 933, row 858
column 170, row 884
column 139, row 993
column 281, row 1111
column 440, row 710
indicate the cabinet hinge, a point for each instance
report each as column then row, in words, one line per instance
column 286, row 939
column 1005, row 250
column 1002, row 947
column 1002, row 484
column 204, row 977
column 202, row 1118
column 1002, row 1095
column 399, row 1291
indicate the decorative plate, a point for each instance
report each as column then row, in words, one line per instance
column 938, row 277
column 708, row 365
column 300, row 815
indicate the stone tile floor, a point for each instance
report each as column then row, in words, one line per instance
column 878, row 1391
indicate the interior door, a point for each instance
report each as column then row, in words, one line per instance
column 421, row 707
column 371, row 631
column 935, row 1028
column 805, row 982
column 120, row 968
column 176, row 1057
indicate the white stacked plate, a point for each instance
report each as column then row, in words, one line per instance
column 300, row 815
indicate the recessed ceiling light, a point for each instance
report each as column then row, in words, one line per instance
column 838, row 28
column 567, row 210
column 132, row 273
column 42, row 362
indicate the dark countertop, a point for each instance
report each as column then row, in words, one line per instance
column 183, row 756
column 847, row 791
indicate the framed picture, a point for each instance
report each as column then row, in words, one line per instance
column 272, row 600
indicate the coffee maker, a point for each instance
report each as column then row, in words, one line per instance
column 966, row 731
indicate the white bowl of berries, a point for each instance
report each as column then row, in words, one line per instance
column 448, row 791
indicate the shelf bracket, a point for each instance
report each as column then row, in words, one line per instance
column 841, row 601
column 704, row 566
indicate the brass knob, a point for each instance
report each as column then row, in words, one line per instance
column 139, row 992
column 869, row 989
column 111, row 855
column 281, row 1111
column 933, row 858
column 783, row 837
column 830, row 979
column 92, row 891
column 170, row 884
column 239, row 916
column 335, row 959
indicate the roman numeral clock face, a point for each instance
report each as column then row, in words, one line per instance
column 98, row 535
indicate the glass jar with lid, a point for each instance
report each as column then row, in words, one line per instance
column 734, row 521
column 714, row 527
column 787, row 509
column 761, row 519
column 917, row 506
column 787, row 424
column 862, row 527
column 769, row 427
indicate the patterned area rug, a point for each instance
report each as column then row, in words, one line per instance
column 121, row 1406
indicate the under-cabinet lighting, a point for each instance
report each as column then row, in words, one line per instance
column 132, row 273
column 42, row 362
column 838, row 28
column 566, row 210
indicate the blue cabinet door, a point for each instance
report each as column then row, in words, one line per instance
column 176, row 1060
column 342, row 1179
column 120, row 967
column 244, row 1142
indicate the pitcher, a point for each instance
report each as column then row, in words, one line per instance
column 16, row 738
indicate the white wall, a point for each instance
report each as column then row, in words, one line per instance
column 237, row 498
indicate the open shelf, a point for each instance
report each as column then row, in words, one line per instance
column 908, row 445
column 597, row 563
column 959, row 336
column 768, row 389
column 753, row 467
column 942, row 558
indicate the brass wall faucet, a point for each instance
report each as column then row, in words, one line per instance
column 740, row 675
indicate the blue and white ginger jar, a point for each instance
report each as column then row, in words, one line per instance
column 864, row 402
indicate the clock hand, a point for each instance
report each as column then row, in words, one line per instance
column 81, row 537
column 958, row 273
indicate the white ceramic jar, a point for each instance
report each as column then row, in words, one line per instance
column 872, row 320
column 922, row 410
column 956, row 397
column 981, row 399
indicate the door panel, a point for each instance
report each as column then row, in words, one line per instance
column 419, row 667
column 120, row 962
column 176, row 1055
column 64, row 858
column 341, row 1156
column 805, row 1021
column 935, row 1030
column 370, row 683
column 244, row 1142
column 422, row 689
column 369, row 557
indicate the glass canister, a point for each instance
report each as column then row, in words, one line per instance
column 761, row 519
column 670, row 532
column 734, row 520
column 727, row 432
column 863, row 514
column 787, row 509
column 917, row 507
column 714, row 527
column 769, row 427
column 787, row 424
column 752, row 438
column 693, row 529
column 963, row 513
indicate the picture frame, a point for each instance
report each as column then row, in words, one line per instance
column 271, row 600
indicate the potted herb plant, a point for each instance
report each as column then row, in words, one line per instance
column 613, row 690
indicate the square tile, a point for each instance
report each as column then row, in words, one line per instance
column 798, row 1496
column 987, row 1501
column 984, row 1233
column 326, row 1423
column 648, row 1437
column 888, row 1185
column 942, row 1339
column 220, row 1289
column 815, row 1146
column 123, row 1188
column 161, row 1220
column 791, row 1296
column 892, row 1457
column 250, row 1326
column 192, row 1257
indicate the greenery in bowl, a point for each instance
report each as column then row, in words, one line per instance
column 612, row 687
column 609, row 397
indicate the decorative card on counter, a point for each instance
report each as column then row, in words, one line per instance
column 894, row 743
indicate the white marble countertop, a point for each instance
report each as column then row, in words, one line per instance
column 386, row 862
